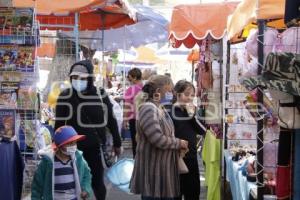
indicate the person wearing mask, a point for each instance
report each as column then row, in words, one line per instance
column 135, row 78
column 89, row 110
column 187, row 127
column 62, row 173
column 156, row 174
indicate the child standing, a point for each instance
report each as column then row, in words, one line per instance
column 62, row 174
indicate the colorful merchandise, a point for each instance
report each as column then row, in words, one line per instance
column 211, row 157
column 8, row 94
column 17, row 58
column 27, row 98
column 280, row 72
column 7, row 123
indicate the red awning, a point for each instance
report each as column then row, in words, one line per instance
column 192, row 23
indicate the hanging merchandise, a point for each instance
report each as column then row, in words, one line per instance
column 209, row 84
column 280, row 72
column 296, row 170
column 211, row 157
column 11, row 170
column 281, row 76
column 287, row 41
column 18, row 96
column 16, row 26
column 292, row 12
column 8, row 121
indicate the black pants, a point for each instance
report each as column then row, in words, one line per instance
column 92, row 156
column 133, row 134
column 190, row 182
column 155, row 198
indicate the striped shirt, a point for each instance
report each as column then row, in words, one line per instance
column 64, row 181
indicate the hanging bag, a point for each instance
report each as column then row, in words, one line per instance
column 182, row 168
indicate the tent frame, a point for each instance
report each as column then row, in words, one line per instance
column 75, row 29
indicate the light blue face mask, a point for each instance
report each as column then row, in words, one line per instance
column 79, row 85
column 168, row 98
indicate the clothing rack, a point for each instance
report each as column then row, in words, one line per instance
column 260, row 125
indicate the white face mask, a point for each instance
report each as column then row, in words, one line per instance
column 70, row 150
column 79, row 85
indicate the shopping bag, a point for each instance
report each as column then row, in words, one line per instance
column 120, row 174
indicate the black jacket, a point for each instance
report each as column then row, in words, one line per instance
column 73, row 108
column 186, row 128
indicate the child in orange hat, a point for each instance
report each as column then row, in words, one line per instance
column 62, row 173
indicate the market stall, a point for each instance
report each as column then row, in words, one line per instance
column 205, row 25
column 263, row 152
column 20, row 133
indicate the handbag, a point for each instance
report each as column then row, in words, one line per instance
column 182, row 168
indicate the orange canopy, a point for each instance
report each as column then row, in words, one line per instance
column 88, row 20
column 46, row 50
column 47, row 7
column 192, row 23
column 93, row 14
column 249, row 11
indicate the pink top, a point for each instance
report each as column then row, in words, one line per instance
column 129, row 96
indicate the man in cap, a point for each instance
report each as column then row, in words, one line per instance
column 89, row 110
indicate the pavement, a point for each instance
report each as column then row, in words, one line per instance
column 116, row 194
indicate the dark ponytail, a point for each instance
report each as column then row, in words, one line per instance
column 149, row 89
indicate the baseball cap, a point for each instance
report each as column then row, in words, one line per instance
column 64, row 135
column 80, row 70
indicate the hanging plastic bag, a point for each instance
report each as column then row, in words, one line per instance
column 120, row 174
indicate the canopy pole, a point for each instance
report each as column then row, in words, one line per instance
column 260, row 122
column 76, row 33
column 102, row 48
column 193, row 69
column 124, row 48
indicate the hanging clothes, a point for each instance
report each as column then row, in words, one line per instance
column 211, row 155
column 11, row 171
column 292, row 11
column 284, row 177
column 280, row 72
column 296, row 190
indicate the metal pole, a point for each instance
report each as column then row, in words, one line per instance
column 102, row 44
column 76, row 33
column 260, row 122
column 124, row 48
column 225, row 143
column 193, row 69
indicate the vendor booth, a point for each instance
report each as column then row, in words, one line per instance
column 205, row 25
column 261, row 109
